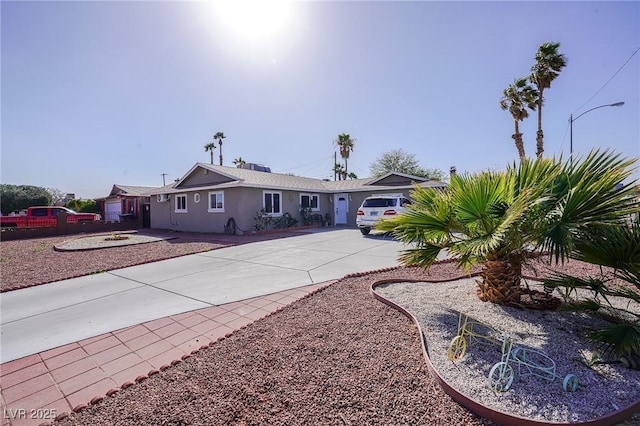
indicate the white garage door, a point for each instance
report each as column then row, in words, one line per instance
column 112, row 211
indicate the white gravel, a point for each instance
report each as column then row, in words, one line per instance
column 603, row 388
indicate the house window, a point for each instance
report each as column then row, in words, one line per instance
column 216, row 202
column 310, row 200
column 181, row 203
column 272, row 203
column 196, row 198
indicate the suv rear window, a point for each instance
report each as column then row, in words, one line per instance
column 380, row 202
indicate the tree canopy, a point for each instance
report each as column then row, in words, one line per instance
column 19, row 197
column 398, row 160
column 84, row 206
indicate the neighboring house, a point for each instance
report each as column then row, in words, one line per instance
column 126, row 202
column 208, row 196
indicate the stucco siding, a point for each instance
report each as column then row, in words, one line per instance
column 203, row 177
column 241, row 204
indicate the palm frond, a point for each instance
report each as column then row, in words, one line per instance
column 583, row 195
column 623, row 338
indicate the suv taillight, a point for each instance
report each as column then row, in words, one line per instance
column 360, row 213
column 389, row 212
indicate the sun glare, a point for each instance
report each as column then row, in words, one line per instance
column 253, row 20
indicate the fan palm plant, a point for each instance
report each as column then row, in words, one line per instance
column 516, row 99
column 616, row 247
column 549, row 63
column 499, row 219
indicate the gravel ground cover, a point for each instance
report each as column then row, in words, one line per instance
column 25, row 263
column 337, row 357
column 603, row 389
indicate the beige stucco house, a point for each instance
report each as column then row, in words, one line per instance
column 208, row 196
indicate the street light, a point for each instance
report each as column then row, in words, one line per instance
column 571, row 120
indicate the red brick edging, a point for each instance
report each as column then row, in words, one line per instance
column 49, row 371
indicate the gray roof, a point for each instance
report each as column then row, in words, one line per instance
column 134, row 191
column 257, row 179
column 140, row 191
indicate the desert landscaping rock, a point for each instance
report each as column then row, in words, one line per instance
column 338, row 357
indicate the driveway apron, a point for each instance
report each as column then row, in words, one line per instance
column 48, row 316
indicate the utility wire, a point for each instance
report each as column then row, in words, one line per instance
column 609, row 81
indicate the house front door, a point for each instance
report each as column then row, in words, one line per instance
column 341, row 205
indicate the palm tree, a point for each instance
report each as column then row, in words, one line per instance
column 219, row 136
column 339, row 171
column 239, row 162
column 345, row 143
column 210, row 147
column 548, row 65
column 516, row 99
column 499, row 219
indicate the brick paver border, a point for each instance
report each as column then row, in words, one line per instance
column 42, row 387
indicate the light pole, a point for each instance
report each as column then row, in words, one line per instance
column 571, row 120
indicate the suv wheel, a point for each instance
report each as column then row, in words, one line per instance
column 365, row 231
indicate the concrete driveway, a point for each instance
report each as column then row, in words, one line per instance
column 47, row 316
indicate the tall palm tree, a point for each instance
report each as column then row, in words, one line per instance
column 345, row 144
column 210, row 147
column 239, row 162
column 547, row 68
column 498, row 219
column 219, row 136
column 516, row 99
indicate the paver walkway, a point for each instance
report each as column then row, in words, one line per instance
column 40, row 387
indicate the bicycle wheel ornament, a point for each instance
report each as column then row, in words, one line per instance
column 457, row 348
column 570, row 383
column 501, row 377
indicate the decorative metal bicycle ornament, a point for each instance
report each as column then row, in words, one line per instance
column 528, row 361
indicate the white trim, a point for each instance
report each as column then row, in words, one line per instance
column 272, row 214
column 196, row 197
column 175, row 205
column 215, row 209
column 311, row 196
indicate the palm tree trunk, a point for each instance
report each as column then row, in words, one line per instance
column 211, row 156
column 517, row 137
column 220, row 142
column 501, row 281
column 540, row 134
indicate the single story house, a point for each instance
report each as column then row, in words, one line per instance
column 209, row 196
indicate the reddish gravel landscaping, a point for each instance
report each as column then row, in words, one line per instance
column 25, row 263
column 338, row 357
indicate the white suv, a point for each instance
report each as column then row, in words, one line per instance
column 378, row 207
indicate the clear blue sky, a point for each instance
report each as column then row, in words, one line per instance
column 97, row 93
